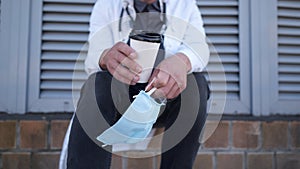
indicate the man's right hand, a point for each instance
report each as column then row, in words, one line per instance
column 119, row 61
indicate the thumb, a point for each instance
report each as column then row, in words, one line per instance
column 150, row 85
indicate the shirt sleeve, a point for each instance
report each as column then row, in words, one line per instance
column 194, row 44
column 100, row 37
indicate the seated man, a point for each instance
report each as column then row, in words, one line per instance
column 115, row 75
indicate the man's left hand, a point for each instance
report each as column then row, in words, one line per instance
column 170, row 76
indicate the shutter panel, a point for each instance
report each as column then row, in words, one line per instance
column 64, row 32
column 288, row 74
column 221, row 22
column 289, row 49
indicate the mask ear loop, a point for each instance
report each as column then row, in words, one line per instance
column 161, row 101
column 148, row 93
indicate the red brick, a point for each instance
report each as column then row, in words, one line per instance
column 288, row 160
column 145, row 163
column 58, row 131
column 117, row 162
column 219, row 137
column 260, row 160
column 16, row 160
column 7, row 134
column 275, row 135
column 45, row 160
column 230, row 161
column 204, row 161
column 33, row 134
column 245, row 134
column 295, row 133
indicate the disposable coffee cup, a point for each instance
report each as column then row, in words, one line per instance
column 147, row 46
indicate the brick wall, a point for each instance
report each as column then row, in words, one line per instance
column 36, row 144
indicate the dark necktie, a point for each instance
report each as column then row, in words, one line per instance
column 149, row 19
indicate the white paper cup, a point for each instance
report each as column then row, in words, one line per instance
column 147, row 53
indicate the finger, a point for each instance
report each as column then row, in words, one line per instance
column 149, row 86
column 172, row 88
column 132, row 65
column 126, row 50
column 161, row 80
column 173, row 92
column 153, row 75
column 180, row 81
column 122, row 74
column 152, row 79
column 127, row 74
column 117, row 55
column 129, row 63
column 180, row 86
column 122, row 79
column 112, row 66
column 168, row 87
column 178, row 92
column 133, row 55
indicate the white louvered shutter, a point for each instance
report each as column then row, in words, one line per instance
column 223, row 29
column 64, row 32
column 288, row 82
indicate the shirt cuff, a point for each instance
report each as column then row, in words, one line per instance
column 91, row 63
column 197, row 64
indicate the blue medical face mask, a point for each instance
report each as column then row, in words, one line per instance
column 135, row 124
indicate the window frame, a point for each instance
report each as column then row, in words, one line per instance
column 14, row 42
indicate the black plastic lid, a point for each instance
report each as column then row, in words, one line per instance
column 147, row 37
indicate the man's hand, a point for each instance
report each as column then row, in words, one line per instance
column 170, row 76
column 119, row 61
